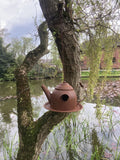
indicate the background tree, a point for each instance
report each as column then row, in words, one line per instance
column 3, row 32
column 66, row 25
column 7, row 63
column 12, row 54
column 20, row 47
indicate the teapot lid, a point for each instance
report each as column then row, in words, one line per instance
column 64, row 86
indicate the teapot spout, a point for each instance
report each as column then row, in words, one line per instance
column 46, row 91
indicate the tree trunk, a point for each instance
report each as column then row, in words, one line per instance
column 60, row 23
column 33, row 133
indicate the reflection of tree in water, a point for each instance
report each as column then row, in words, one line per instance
column 68, row 136
column 79, row 139
column 6, row 108
column 97, row 147
column 7, row 89
column 71, row 146
column 2, row 131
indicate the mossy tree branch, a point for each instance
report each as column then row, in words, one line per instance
column 32, row 134
column 34, row 55
column 24, row 106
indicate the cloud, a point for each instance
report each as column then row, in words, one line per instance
column 15, row 13
column 2, row 24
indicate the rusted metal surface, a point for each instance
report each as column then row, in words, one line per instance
column 64, row 86
column 63, row 99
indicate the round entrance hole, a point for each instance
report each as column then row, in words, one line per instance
column 64, row 97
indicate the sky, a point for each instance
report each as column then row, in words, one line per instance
column 18, row 17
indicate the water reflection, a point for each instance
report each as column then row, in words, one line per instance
column 90, row 132
column 83, row 136
column 6, row 108
column 97, row 147
column 7, row 89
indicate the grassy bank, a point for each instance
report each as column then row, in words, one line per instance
column 102, row 73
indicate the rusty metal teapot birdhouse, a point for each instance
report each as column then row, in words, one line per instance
column 63, row 99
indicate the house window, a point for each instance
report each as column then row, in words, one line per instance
column 114, row 59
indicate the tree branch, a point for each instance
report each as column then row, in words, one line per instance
column 24, row 107
column 44, row 126
column 34, row 55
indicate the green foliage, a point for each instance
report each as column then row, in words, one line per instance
column 7, row 63
column 94, row 56
column 19, row 60
column 10, row 73
column 13, row 56
column 43, row 70
column 99, row 50
column 21, row 46
column 94, row 23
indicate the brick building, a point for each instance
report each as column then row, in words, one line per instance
column 115, row 61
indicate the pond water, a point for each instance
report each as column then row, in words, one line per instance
column 92, row 133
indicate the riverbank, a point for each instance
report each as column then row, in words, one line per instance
column 109, row 92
